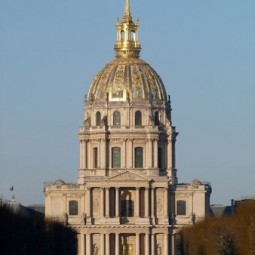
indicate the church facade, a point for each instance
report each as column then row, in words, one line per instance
column 127, row 199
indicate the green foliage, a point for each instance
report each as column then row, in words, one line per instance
column 24, row 235
column 228, row 235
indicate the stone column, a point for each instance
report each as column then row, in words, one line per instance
column 107, row 201
column 117, row 202
column 107, row 244
column 137, row 203
column 123, row 156
column 102, row 203
column 102, row 244
column 169, row 155
column 88, row 244
column 146, row 202
column 117, row 244
column 153, row 204
column 82, row 245
column 88, row 205
column 166, row 203
column 173, row 244
column 147, row 246
column 137, row 244
column 166, row 243
column 152, row 244
column 130, row 153
column 150, row 153
column 103, row 156
column 155, row 145
column 89, row 157
column 81, row 154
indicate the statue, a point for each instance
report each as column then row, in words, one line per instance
column 83, row 218
column 65, row 218
column 159, row 250
column 95, row 249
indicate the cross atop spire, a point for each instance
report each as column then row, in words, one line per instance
column 127, row 8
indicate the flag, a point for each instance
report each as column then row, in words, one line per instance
column 11, row 188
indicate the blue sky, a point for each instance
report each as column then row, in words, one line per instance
column 50, row 51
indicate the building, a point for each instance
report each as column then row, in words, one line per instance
column 127, row 199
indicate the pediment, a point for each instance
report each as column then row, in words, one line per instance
column 128, row 176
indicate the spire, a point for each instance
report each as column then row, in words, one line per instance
column 127, row 9
column 127, row 44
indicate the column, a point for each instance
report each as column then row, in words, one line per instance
column 137, row 203
column 150, row 153
column 130, row 153
column 82, row 245
column 107, row 206
column 81, row 154
column 137, row 244
column 107, row 244
column 123, row 154
column 102, row 153
column 166, row 243
column 146, row 202
column 173, row 244
column 152, row 244
column 117, row 202
column 169, row 155
column 88, row 206
column 102, row 244
column 147, row 244
column 102, row 203
column 152, row 203
column 166, row 203
column 88, row 244
column 155, row 145
column 117, row 243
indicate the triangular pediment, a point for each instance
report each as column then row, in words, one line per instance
column 128, row 176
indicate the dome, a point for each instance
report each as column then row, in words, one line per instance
column 196, row 182
column 127, row 79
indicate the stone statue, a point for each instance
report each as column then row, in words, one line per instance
column 95, row 249
column 159, row 250
column 65, row 218
column 83, row 218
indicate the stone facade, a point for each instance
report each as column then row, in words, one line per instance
column 127, row 200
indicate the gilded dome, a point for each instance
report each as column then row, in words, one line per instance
column 127, row 79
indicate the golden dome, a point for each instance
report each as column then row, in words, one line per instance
column 127, row 78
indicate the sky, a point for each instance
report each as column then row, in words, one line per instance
column 50, row 51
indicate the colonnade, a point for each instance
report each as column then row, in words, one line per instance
column 127, row 145
column 151, row 247
column 150, row 209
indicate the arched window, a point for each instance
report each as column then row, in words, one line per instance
column 138, row 118
column 73, row 207
column 138, row 157
column 116, row 118
column 95, row 157
column 181, row 207
column 116, row 158
column 122, row 35
column 132, row 35
column 127, row 208
column 98, row 118
column 156, row 118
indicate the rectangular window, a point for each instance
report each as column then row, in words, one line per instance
column 73, row 207
column 95, row 157
column 127, row 208
column 138, row 157
column 181, row 207
column 116, row 157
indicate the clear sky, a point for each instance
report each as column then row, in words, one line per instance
column 204, row 51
